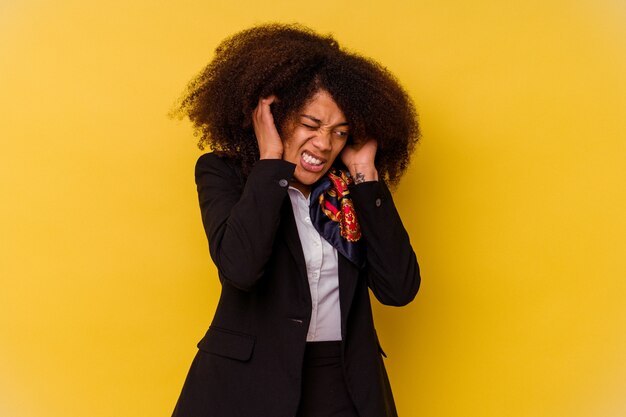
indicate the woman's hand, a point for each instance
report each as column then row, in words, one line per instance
column 358, row 157
column 267, row 137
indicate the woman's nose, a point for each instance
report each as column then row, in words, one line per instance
column 322, row 140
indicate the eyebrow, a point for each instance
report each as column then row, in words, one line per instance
column 318, row 121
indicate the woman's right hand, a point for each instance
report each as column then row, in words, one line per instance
column 267, row 137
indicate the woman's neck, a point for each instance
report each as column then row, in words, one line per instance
column 304, row 189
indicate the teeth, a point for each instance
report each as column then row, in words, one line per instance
column 311, row 159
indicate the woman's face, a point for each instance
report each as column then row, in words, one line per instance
column 314, row 138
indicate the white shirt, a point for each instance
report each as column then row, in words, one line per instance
column 323, row 273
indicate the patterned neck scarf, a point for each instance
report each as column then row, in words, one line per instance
column 332, row 214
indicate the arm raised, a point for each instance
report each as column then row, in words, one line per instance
column 240, row 219
column 393, row 271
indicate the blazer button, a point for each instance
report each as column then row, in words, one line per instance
column 283, row 183
column 378, row 202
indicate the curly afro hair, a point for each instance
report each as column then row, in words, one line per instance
column 293, row 63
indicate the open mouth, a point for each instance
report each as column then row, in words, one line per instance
column 311, row 162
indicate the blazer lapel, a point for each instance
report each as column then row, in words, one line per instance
column 292, row 239
column 348, row 277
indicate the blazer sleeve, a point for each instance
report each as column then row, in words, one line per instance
column 240, row 220
column 392, row 270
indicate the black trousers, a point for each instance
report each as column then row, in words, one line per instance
column 324, row 390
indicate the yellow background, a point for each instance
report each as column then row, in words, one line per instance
column 515, row 202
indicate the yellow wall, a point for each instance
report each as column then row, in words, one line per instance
column 515, row 202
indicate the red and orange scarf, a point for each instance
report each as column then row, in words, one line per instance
column 334, row 217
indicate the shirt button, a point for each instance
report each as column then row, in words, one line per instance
column 283, row 183
column 307, row 219
column 378, row 202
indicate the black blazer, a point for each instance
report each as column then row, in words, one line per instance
column 250, row 360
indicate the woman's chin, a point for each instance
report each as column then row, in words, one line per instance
column 308, row 178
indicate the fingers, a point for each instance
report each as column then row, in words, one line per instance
column 262, row 115
column 268, row 139
column 365, row 148
column 262, row 109
column 359, row 158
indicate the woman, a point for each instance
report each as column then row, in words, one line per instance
column 300, row 224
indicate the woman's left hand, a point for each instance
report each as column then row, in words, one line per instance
column 358, row 157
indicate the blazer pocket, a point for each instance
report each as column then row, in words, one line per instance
column 227, row 343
